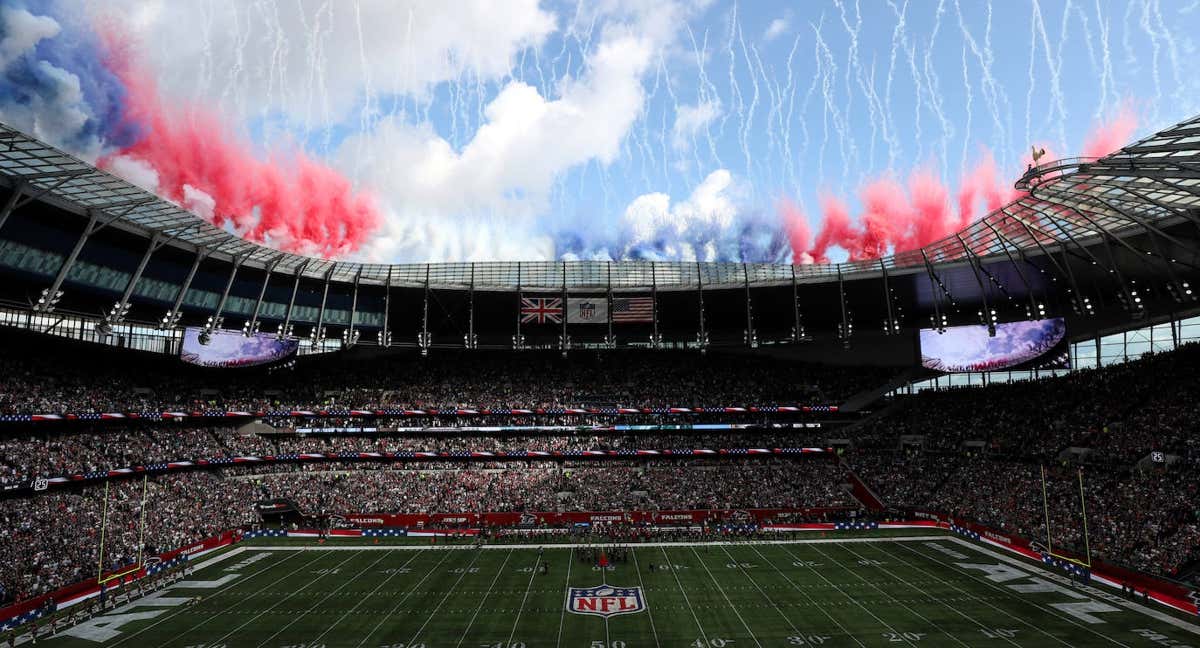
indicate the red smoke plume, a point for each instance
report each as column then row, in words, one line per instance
column 289, row 201
column 1108, row 137
column 897, row 218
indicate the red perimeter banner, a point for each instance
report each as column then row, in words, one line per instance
column 695, row 516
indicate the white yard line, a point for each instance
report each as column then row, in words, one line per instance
column 671, row 566
column 726, row 596
column 525, row 598
column 981, row 600
column 479, row 607
column 932, row 599
column 183, row 608
column 1017, row 562
column 895, row 600
column 256, row 617
column 297, row 618
column 846, row 594
column 362, row 600
column 809, row 598
column 645, row 598
column 384, row 618
column 770, row 600
column 445, row 597
column 562, row 616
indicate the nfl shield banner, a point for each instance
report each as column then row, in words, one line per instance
column 587, row 310
column 605, row 600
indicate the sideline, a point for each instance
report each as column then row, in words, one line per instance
column 599, row 545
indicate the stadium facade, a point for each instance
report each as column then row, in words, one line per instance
column 1106, row 243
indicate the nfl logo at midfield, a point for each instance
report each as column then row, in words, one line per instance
column 605, row 600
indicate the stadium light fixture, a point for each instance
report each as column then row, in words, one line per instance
column 349, row 338
column 424, row 341
column 170, row 320
column 317, row 336
column 384, row 338
column 750, row 337
column 1181, row 292
column 46, row 302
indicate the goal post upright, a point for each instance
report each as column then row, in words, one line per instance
column 1087, row 549
column 142, row 524
column 103, row 525
column 1046, row 511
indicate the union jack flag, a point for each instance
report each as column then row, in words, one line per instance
column 541, row 310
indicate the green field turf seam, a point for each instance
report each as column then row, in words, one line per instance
column 855, row 601
column 384, row 618
column 296, row 618
column 524, row 599
column 486, row 594
column 1029, row 603
column 892, row 597
column 983, row 600
column 936, row 600
column 641, row 584
column 809, row 598
column 467, row 570
column 179, row 610
column 234, row 631
column 562, row 615
column 736, row 612
column 762, row 592
column 695, row 617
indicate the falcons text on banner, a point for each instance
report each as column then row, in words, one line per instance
column 541, row 310
column 605, row 600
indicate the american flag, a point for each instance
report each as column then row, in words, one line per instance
column 632, row 309
column 541, row 310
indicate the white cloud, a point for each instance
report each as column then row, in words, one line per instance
column 312, row 60
column 135, row 170
column 689, row 230
column 22, row 31
column 690, row 120
column 50, row 104
column 777, row 28
column 479, row 202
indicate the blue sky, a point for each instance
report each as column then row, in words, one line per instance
column 654, row 128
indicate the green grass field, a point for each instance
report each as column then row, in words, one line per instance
column 932, row 591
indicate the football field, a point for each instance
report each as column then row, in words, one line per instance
column 918, row 591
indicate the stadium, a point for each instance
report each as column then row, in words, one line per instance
column 212, row 437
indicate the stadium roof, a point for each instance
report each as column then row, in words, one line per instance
column 1140, row 189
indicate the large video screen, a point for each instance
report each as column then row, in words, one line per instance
column 232, row 349
column 1040, row 344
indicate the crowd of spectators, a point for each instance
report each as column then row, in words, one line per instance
column 571, row 486
column 1147, row 519
column 1122, row 412
column 975, row 453
column 35, row 378
column 53, row 539
column 69, row 451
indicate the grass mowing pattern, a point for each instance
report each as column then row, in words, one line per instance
column 877, row 593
